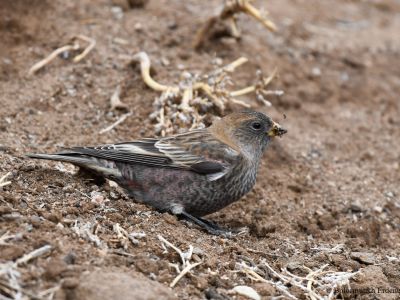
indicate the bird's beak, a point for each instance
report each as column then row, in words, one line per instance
column 276, row 130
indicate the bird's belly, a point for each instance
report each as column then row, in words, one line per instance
column 166, row 189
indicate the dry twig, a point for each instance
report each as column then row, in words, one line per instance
column 186, row 270
column 3, row 181
column 6, row 237
column 32, row 255
column 116, row 123
column 185, row 258
column 9, row 275
column 75, row 46
column 124, row 237
column 115, row 100
column 87, row 231
column 339, row 248
column 91, row 44
column 229, row 13
column 318, row 285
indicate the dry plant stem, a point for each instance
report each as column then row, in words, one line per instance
column 85, row 231
column 119, row 121
column 257, row 277
column 234, row 28
column 310, row 279
column 237, row 63
column 297, row 280
column 253, row 88
column 18, row 289
column 202, row 32
column 185, row 257
column 267, row 80
column 121, row 235
column 13, row 287
column 181, row 254
column 88, row 49
column 49, row 292
column 208, row 91
column 228, row 12
column 34, row 254
column 284, row 278
column 239, row 102
column 3, row 178
column 252, row 11
column 144, row 60
column 115, row 100
column 243, row 91
column 11, row 284
column 183, row 273
column 336, row 249
column 186, row 97
column 5, row 237
column 124, row 237
column 122, row 253
column 321, row 279
column 39, row 65
column 145, row 65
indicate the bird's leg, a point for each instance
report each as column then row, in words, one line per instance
column 207, row 225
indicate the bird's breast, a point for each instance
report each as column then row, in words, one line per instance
column 241, row 179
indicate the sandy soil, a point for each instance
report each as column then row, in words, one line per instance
column 327, row 193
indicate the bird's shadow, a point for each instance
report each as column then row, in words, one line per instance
column 52, row 176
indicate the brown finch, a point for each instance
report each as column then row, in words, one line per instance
column 190, row 174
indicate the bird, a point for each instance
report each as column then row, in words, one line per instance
column 190, row 174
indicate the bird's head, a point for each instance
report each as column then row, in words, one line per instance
column 248, row 131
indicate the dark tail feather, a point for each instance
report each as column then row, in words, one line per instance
column 91, row 163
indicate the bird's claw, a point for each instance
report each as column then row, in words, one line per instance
column 221, row 232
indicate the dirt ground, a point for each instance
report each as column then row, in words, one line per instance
column 327, row 194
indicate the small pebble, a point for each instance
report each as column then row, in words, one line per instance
column 316, row 72
column 363, row 257
column 246, row 291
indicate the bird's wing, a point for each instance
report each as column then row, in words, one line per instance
column 197, row 151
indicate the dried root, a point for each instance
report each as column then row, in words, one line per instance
column 10, row 285
column 126, row 238
column 74, row 46
column 88, row 231
column 185, row 258
column 116, row 123
column 115, row 100
column 228, row 14
column 318, row 284
column 185, row 106
column 3, row 180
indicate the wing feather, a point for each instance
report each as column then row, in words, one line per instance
column 208, row 156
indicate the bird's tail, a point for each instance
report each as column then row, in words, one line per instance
column 64, row 157
column 99, row 166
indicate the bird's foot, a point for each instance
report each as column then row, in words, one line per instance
column 209, row 226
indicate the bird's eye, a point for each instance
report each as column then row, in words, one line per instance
column 256, row 125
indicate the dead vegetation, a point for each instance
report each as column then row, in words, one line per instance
column 74, row 47
column 10, row 274
column 185, row 257
column 317, row 285
column 198, row 97
column 3, row 180
column 228, row 17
